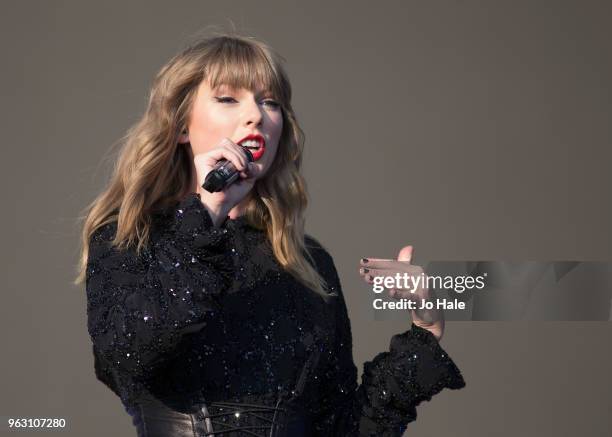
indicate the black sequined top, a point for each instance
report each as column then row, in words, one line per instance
column 206, row 314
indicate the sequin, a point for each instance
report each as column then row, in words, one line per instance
column 207, row 314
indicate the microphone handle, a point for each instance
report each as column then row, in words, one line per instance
column 223, row 175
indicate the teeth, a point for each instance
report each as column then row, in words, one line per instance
column 251, row 144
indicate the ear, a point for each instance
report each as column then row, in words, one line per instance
column 183, row 137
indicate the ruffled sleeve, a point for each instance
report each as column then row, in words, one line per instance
column 414, row 369
column 139, row 306
column 395, row 382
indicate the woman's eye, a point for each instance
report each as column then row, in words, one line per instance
column 225, row 99
column 272, row 103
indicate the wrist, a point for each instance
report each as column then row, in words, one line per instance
column 217, row 212
column 436, row 328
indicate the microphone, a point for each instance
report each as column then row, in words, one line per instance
column 223, row 174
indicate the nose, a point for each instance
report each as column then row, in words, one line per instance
column 253, row 114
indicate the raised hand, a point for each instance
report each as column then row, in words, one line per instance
column 430, row 319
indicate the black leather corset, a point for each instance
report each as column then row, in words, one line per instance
column 280, row 418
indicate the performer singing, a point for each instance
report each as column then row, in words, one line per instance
column 213, row 313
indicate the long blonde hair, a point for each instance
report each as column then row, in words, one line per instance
column 153, row 171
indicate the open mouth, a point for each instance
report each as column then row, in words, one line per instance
column 256, row 147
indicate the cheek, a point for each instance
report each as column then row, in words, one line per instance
column 206, row 131
column 201, row 142
column 277, row 130
column 278, row 124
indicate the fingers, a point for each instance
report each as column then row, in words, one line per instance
column 390, row 267
column 401, row 270
column 381, row 263
column 378, row 263
column 405, row 254
column 394, row 292
column 411, row 271
column 368, row 278
column 240, row 153
column 230, row 151
column 376, row 272
column 401, row 294
column 372, row 268
column 369, row 261
column 398, row 293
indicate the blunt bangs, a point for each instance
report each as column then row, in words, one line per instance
column 240, row 65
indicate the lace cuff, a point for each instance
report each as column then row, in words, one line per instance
column 415, row 369
column 193, row 225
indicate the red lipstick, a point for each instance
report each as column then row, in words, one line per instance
column 256, row 145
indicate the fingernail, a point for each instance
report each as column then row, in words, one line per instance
column 366, row 270
column 364, row 260
column 369, row 277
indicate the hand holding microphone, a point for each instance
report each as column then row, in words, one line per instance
column 224, row 174
column 228, row 172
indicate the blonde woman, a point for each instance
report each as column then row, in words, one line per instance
column 212, row 313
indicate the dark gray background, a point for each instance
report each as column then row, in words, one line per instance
column 473, row 130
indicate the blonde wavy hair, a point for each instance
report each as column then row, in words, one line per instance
column 153, row 171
